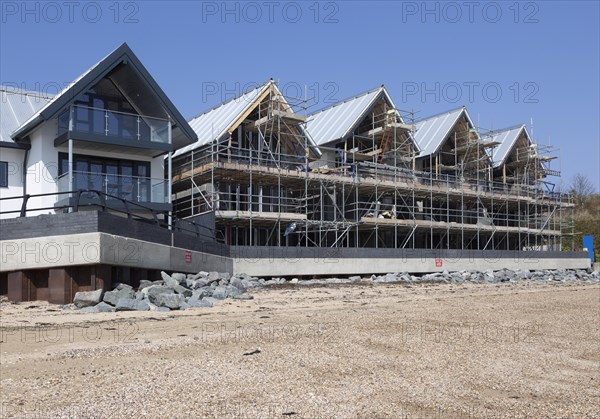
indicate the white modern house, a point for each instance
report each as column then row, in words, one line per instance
column 112, row 130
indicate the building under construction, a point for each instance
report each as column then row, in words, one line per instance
column 106, row 183
column 362, row 173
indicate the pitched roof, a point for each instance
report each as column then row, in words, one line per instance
column 216, row 123
column 339, row 120
column 433, row 131
column 213, row 125
column 507, row 138
column 16, row 107
column 182, row 133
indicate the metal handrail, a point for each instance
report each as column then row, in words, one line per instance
column 121, row 112
column 102, row 198
column 148, row 121
column 139, row 181
column 111, row 175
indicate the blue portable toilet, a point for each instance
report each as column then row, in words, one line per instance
column 588, row 243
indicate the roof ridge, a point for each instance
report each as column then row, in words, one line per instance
column 348, row 99
column 217, row 106
column 122, row 55
column 25, row 92
column 499, row 130
column 441, row 113
column 57, row 97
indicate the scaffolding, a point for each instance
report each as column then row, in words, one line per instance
column 268, row 185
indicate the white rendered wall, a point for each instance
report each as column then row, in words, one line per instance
column 14, row 158
column 42, row 168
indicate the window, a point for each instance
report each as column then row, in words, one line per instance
column 90, row 115
column 63, row 122
column 3, row 174
column 127, row 179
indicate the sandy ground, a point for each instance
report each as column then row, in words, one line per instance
column 370, row 351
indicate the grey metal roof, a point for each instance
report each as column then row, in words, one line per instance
column 213, row 125
column 337, row 121
column 433, row 131
column 182, row 133
column 16, row 107
column 507, row 138
column 36, row 117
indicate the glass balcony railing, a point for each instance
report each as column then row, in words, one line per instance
column 115, row 124
column 131, row 188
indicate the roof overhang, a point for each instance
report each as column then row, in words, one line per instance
column 443, row 136
column 126, row 70
column 228, row 117
column 522, row 130
column 463, row 113
column 381, row 94
column 17, row 146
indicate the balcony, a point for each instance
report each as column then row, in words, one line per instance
column 112, row 128
column 149, row 192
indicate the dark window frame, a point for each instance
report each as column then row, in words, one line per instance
column 136, row 164
column 3, row 174
column 122, row 187
column 98, row 98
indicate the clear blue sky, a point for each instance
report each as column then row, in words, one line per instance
column 508, row 63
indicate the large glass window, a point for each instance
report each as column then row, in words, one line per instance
column 127, row 179
column 63, row 122
column 104, row 111
column 90, row 115
column 105, row 95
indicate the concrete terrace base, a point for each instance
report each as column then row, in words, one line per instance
column 347, row 267
column 302, row 261
column 54, row 268
column 52, row 257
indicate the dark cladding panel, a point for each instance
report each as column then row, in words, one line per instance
column 61, row 286
column 19, row 286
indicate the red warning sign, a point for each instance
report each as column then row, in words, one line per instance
column 438, row 263
column 187, row 256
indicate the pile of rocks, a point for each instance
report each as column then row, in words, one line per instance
column 488, row 276
column 174, row 292
column 508, row 275
column 180, row 291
